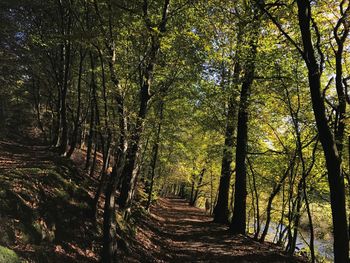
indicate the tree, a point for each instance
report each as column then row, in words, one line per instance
column 129, row 172
column 238, row 223
column 331, row 143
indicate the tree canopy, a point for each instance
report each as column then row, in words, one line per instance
column 241, row 105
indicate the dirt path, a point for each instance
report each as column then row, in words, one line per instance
column 186, row 234
column 17, row 155
column 40, row 189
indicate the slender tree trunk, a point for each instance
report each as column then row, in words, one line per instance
column 192, row 190
column 90, row 136
column 296, row 219
column 268, row 218
column 155, row 154
column 109, row 248
column 211, row 193
column 97, row 132
column 93, row 164
column 348, row 177
column 311, row 226
column 103, row 178
column 274, row 193
column 56, row 119
column 77, row 123
column 255, row 197
column 292, row 203
column 36, row 97
column 221, row 211
column 238, row 224
column 65, row 83
column 196, row 187
column 129, row 171
column 106, row 144
column 279, row 232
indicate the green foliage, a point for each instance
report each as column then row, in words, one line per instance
column 8, row 256
column 192, row 72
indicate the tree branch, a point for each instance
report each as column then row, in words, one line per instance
column 262, row 5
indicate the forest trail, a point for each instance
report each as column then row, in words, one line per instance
column 48, row 190
column 14, row 154
column 187, row 234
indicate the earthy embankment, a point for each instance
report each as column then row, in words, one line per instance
column 44, row 207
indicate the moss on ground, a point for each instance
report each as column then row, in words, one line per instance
column 8, row 256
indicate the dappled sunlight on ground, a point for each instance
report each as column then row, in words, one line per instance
column 44, row 206
column 181, row 233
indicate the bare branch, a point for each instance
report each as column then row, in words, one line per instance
column 327, row 87
column 331, row 104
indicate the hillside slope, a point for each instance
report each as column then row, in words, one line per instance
column 44, row 206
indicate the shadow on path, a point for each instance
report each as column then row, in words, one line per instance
column 186, row 234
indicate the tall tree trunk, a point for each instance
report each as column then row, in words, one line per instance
column 155, row 154
column 102, row 183
column 221, row 212
column 238, row 223
column 331, row 151
column 77, row 123
column 97, row 131
column 106, row 144
column 109, row 225
column 56, row 119
column 66, row 53
column 94, row 158
column 109, row 246
column 279, row 230
column 192, row 189
column 129, row 172
column 348, row 179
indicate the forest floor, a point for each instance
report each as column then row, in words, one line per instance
column 45, row 213
column 45, row 216
column 177, row 232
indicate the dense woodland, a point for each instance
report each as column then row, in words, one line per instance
column 239, row 107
